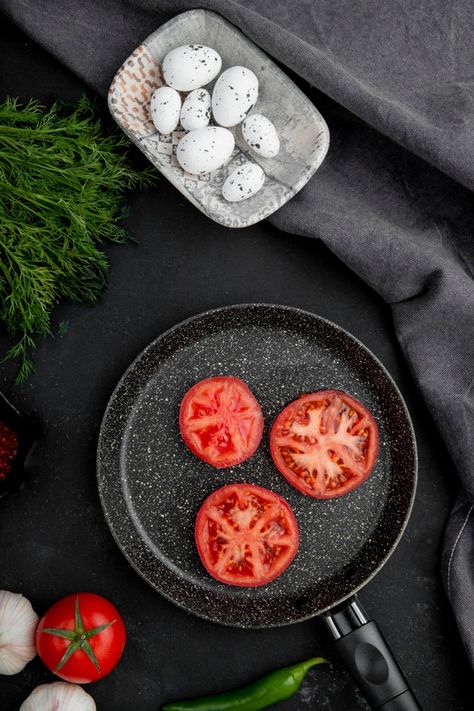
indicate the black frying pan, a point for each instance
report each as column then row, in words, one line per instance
column 151, row 485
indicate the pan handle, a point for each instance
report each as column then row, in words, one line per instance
column 369, row 659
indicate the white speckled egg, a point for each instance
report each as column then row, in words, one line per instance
column 261, row 135
column 234, row 95
column 196, row 110
column 165, row 107
column 243, row 182
column 205, row 149
column 191, row 66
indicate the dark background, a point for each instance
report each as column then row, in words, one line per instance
column 54, row 539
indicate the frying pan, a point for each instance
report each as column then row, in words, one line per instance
column 151, row 486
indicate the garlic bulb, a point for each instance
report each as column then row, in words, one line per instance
column 58, row 696
column 18, row 623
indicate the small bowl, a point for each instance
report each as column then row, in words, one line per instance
column 26, row 431
column 304, row 135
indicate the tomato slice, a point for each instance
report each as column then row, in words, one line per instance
column 221, row 421
column 325, row 443
column 246, row 535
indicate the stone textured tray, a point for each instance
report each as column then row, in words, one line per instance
column 303, row 132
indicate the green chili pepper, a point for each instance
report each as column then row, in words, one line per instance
column 276, row 686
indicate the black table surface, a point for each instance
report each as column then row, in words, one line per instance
column 54, row 539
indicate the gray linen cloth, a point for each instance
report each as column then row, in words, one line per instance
column 392, row 199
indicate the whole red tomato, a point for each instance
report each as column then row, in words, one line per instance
column 81, row 637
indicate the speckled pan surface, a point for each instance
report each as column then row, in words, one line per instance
column 152, row 486
column 303, row 132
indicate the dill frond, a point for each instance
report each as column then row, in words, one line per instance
column 62, row 183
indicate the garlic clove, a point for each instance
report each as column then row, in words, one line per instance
column 58, row 696
column 18, row 623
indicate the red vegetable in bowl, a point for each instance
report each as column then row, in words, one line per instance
column 325, row 443
column 8, row 449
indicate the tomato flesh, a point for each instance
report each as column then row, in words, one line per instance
column 246, row 535
column 221, row 421
column 107, row 644
column 325, row 443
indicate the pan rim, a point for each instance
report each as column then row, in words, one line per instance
column 308, row 314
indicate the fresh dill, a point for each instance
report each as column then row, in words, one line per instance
column 62, row 183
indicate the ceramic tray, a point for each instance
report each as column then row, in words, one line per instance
column 304, row 135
